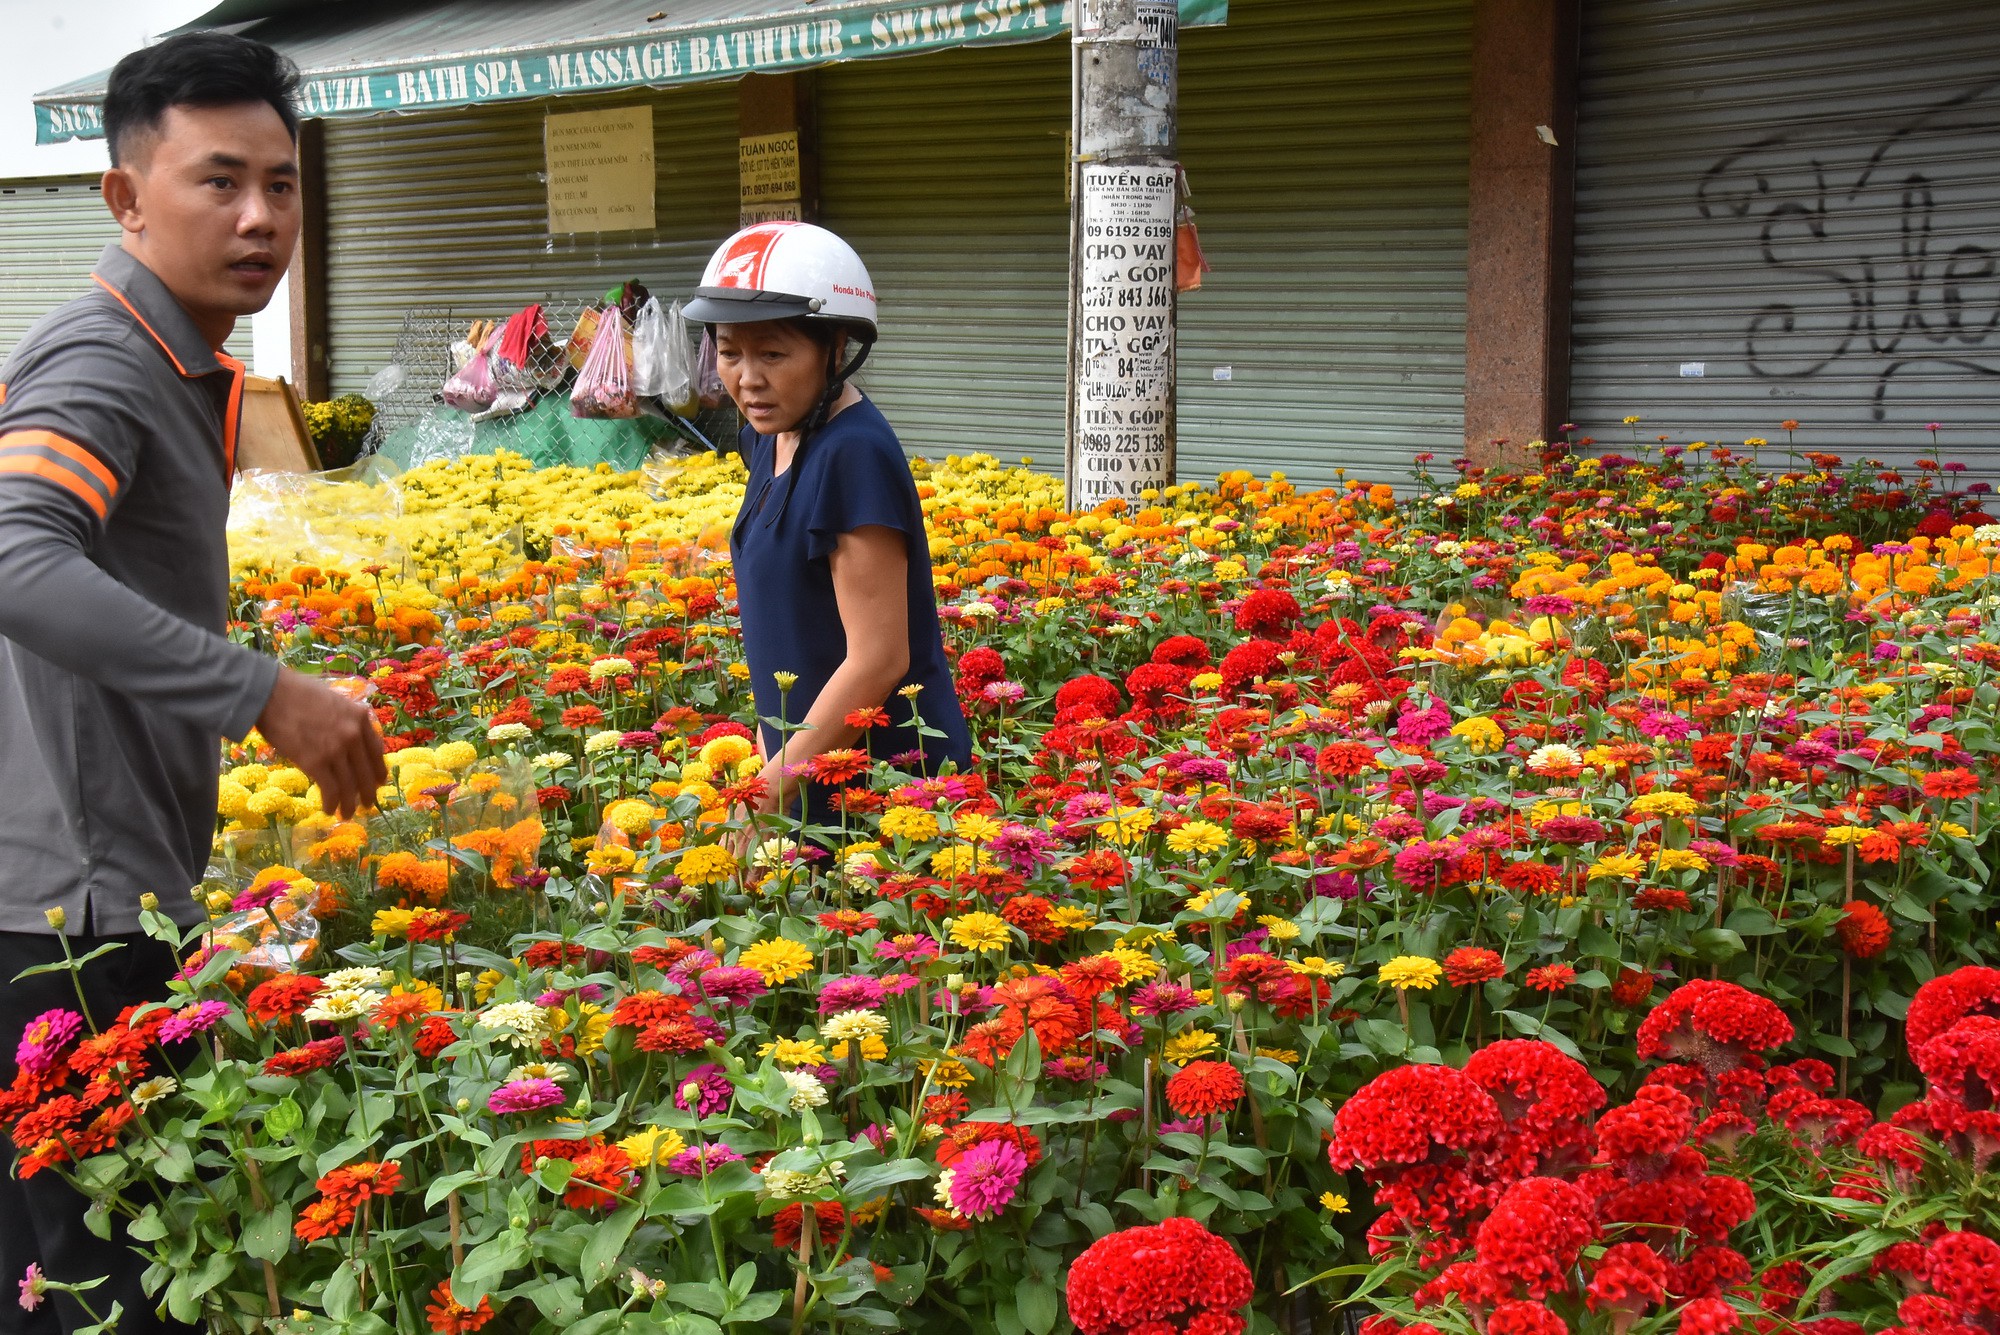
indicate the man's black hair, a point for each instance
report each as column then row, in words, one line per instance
column 195, row 69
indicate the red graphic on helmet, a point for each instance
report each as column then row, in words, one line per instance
column 743, row 266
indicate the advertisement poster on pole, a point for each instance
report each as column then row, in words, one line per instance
column 1125, row 333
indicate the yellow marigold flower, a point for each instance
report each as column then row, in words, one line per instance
column 1408, row 971
column 911, row 823
column 697, row 771
column 456, row 756
column 705, row 864
column 269, row 802
column 1617, row 867
column 232, row 800
column 652, row 1146
column 1197, row 836
column 630, row 817
column 778, row 960
column 980, row 932
column 1679, row 805
column 291, row 782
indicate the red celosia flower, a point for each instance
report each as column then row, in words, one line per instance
column 1708, row 1316
column 1402, row 1115
column 1267, row 612
column 1514, row 1317
column 1202, row 1088
column 1542, row 1093
column 1630, row 1276
column 1469, row 966
column 1471, row 1283
column 1535, row 1233
column 1154, row 1278
column 1714, row 1023
column 1949, row 998
column 447, row 1317
column 1964, row 1269
column 1862, row 930
column 1655, row 1123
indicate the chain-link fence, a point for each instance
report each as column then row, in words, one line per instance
column 413, row 425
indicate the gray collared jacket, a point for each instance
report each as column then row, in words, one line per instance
column 117, row 443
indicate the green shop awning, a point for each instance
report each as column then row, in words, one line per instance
column 367, row 57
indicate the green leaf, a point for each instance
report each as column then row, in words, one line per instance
column 607, row 1240
column 1716, row 944
column 868, row 1183
column 1036, row 1301
column 486, row 1265
column 284, row 1118
column 342, row 1294
column 757, row 1307
column 268, row 1236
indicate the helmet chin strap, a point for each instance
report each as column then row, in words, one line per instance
column 836, row 384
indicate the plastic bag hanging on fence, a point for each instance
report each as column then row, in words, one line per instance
column 604, row 386
column 470, row 388
column 514, row 356
column 649, row 349
column 678, row 389
column 707, row 380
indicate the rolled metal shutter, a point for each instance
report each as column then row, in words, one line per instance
column 1327, row 145
column 1327, row 148
column 451, row 209
column 51, row 233
column 945, row 172
column 1790, row 209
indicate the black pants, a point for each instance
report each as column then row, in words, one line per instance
column 41, row 1220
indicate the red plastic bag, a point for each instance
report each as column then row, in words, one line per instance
column 604, row 385
column 514, row 359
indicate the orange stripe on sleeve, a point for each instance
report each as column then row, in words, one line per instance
column 36, row 466
column 67, row 448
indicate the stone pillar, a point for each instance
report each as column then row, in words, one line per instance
column 1517, row 293
column 306, row 279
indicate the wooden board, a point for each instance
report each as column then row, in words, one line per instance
column 271, row 434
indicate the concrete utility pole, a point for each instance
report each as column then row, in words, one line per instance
column 1121, row 405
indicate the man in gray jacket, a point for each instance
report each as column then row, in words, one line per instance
column 118, row 417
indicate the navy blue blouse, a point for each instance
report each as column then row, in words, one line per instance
column 852, row 473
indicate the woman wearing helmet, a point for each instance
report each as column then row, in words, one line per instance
column 832, row 564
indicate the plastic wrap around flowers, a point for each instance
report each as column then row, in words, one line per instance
column 1161, row 1279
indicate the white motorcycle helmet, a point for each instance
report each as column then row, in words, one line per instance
column 785, row 271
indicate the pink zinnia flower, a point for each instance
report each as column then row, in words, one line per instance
column 45, row 1042
column 260, row 896
column 1157, row 998
column 907, row 947
column 194, row 1020
column 702, row 1159
column 32, row 1290
column 858, row 992
column 525, row 1096
column 706, row 1090
column 733, row 985
column 985, row 1177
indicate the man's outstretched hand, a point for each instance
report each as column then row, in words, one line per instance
column 327, row 735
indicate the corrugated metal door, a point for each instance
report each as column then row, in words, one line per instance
column 1791, row 209
column 51, row 233
column 452, row 209
column 1327, row 146
column 945, row 172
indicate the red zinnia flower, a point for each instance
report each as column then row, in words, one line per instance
column 1950, row 783
column 282, row 997
column 447, row 1317
column 322, row 1219
column 1202, row 1088
column 1469, row 966
column 828, row 1221
column 836, row 766
column 1862, row 930
column 1551, row 977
